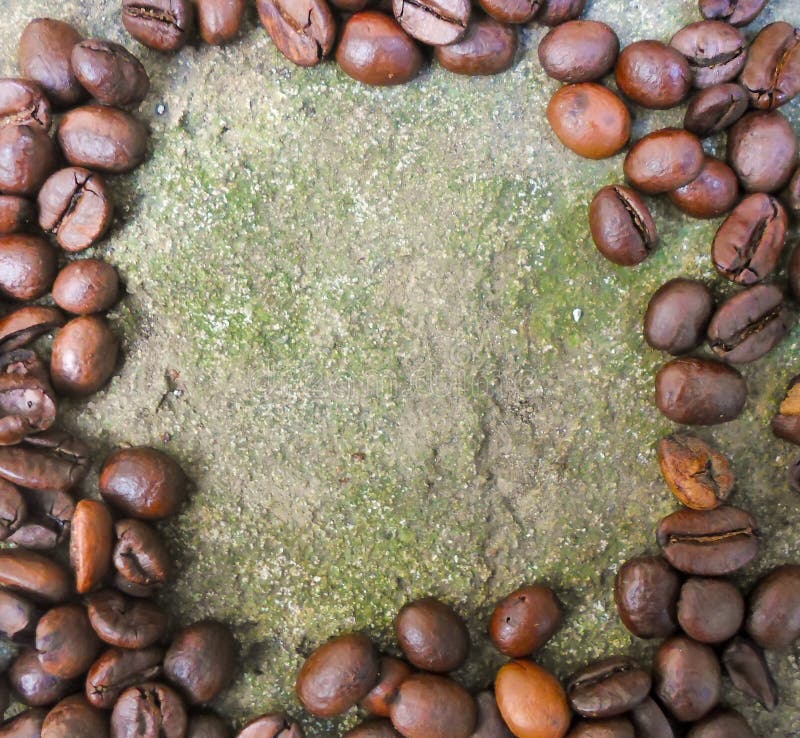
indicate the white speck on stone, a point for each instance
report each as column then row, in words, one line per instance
column 577, row 314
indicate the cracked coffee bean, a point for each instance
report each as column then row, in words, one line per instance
column 303, row 30
column 649, row 720
column 125, row 622
column 716, row 109
column 432, row 635
column 677, row 316
column 271, row 725
column 488, row 47
column 512, row 11
column 65, row 642
column 52, row 460
column 33, row 685
column 653, row 74
column 747, row 668
column 716, row 51
column 722, row 724
column 18, row 617
column 433, row 706
column 579, row 51
column 772, row 72
column 646, row 592
column 13, row 510
column 696, row 473
column 773, row 619
column 27, row 157
column 163, row 25
column 90, row 544
column 762, row 149
column 110, row 73
column 786, row 422
column 713, row 193
column 50, row 516
column 687, row 678
column 21, row 327
column 84, row 356
column 710, row 610
column 220, row 20
column 27, row 266
column 393, row 672
column 86, row 286
column 208, row 725
column 27, row 405
column 735, row 12
column 525, row 620
column 433, row 22
column 613, row 728
column 664, row 160
column 119, row 668
column 621, row 225
column 16, row 214
column 74, row 717
column 608, row 687
column 34, row 576
column 23, row 102
column 140, row 555
column 531, row 700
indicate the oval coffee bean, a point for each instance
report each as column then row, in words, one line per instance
column 713, row 193
column 762, row 149
column 220, row 20
column 687, row 678
column 393, row 672
column 110, row 73
column 664, row 160
column 716, row 51
column 23, row 102
column 490, row 722
column 433, row 22
column 773, row 619
column 163, row 25
column 772, row 72
column 614, row 728
column 33, row 575
column 488, row 47
column 90, row 544
column 555, row 12
column 86, row 286
column 786, row 422
column 723, row 724
column 735, row 12
column 26, row 324
column 46, row 461
column 621, row 225
column 16, row 214
column 653, row 74
column 84, row 356
column 65, row 642
column 27, row 157
column 149, row 710
column 608, row 687
column 27, row 266
column 747, row 668
column 271, row 725
column 715, row 109
column 303, row 30
column 710, row 610
column 140, row 555
column 512, row 11
column 432, row 706
column 646, row 594
column 27, row 724
column 525, row 620
column 13, row 509
column 432, row 635
column 33, row 685
column 124, row 622
column 18, row 617
column 677, row 315
column 579, row 51
column 74, row 717
column 116, row 670
column 697, row 474
column 649, row 719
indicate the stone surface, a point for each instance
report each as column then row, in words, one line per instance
column 373, row 327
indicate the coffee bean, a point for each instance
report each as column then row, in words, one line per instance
column 664, row 160
column 51, row 460
column 85, row 287
column 90, row 544
column 13, row 510
column 792, row 197
column 33, row 685
column 747, row 668
column 207, row 725
column 716, row 51
column 786, row 422
column 432, row 706
column 773, row 619
column 23, row 102
column 525, row 620
column 110, row 73
column 677, row 315
column 373, row 729
column 653, row 74
column 531, row 700
column 271, row 725
column 512, row 11
column 33, row 575
column 149, row 710
column 18, row 617
column 614, row 728
column 687, row 678
column 124, row 622
column 84, row 356
column 710, row 610
column 646, row 594
column 16, row 214
column 696, row 473
column 74, row 717
column 723, row 724
column 772, row 72
column 555, row 12
column 65, row 642
column 50, row 509
column 24, row 325
column 735, row 12
column 762, row 149
column 579, row 51
column 27, row 402
column 303, row 30
column 490, row 722
column 27, row 266
column 27, row 724
column 375, row 50
column 432, row 635
column 715, row 109
column 163, row 25
column 696, row 391
column 488, row 47
column 709, row 543
column 27, row 157
column 621, row 225
column 649, row 720
column 220, row 20
column 433, row 22
column 117, row 669
column 714, row 192
column 140, row 555
column 608, row 687
column 393, row 672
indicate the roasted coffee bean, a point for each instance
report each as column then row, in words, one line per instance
column 710, row 610
column 749, row 324
column 23, row 102
column 110, row 73
column 126, row 586
column 84, row 356
column 27, row 266
column 51, row 510
column 27, row 157
column 579, row 51
column 555, row 12
column 773, row 619
column 375, row 50
column 271, row 725
column 18, row 617
column 590, row 120
column 219, row 20
column 337, row 675
column 432, row 706
column 46, row 461
column 696, row 473
column 119, row 668
column 792, row 196
column 86, row 286
column 772, row 72
column 27, row 403
column 45, row 47
column 143, row 483
column 433, row 22
column 140, row 555
column 714, row 192
column 163, row 25
column 735, row 12
column 33, row 575
column 715, row 109
column 614, row 728
column 207, row 725
column 27, row 724
column 16, row 214
column 488, row 47
column 786, row 422
column 393, row 672
column 646, row 594
column 531, row 700
column 687, row 678
column 33, row 685
column 490, row 722
column 512, row 11
column 65, row 642
column 696, row 391
column 664, row 160
column 525, row 620
column 125, row 622
column 724, row 724
column 649, row 720
column 373, row 729
column 21, row 327
column 709, row 543
column 303, row 30
column 653, row 74
column 74, row 717
column 104, row 138
column 149, row 710
column 608, row 687
column 716, row 51
column 762, row 149
column 677, row 315
column 13, row 510
column 747, row 668
column 432, row 635
column 90, row 544
column 37, row 534
column 621, row 225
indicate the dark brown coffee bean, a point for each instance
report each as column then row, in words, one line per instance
column 23, row 102
column 622, row 228
column 220, row 20
column 525, row 620
column 710, row 610
column 163, row 25
column 131, row 588
column 649, row 720
column 90, row 544
column 303, row 30
column 664, row 160
column 18, row 617
column 74, row 717
column 431, row 706
column 33, row 685
column 696, row 391
column 792, row 197
column 555, row 12
column 375, row 50
column 735, row 12
column 762, row 149
column 714, row 192
column 696, row 473
column 27, row 724
column 208, row 725
column 84, row 356
column 747, row 668
column 24, row 325
column 653, row 74
column 13, row 510
column 27, row 157
column 110, row 73
column 373, row 729
column 715, row 109
column 432, row 635
column 51, row 460
column 512, row 11
column 709, row 543
column 86, row 286
column 773, row 619
column 16, row 214
column 716, row 51
column 677, row 315
column 45, row 47
column 117, row 669
column 579, row 51
column 722, row 724
column 140, row 555
column 614, row 728
column 27, row 401
column 488, row 47
column 104, row 138
column 608, row 687
column 271, row 725
column 646, row 594
column 433, row 22
column 125, row 622
column 786, row 423
column 33, row 575
column 687, row 678
column 65, row 642
column 338, row 675
column 27, row 266
column 149, row 710
column 772, row 72
column 392, row 674
column 490, row 722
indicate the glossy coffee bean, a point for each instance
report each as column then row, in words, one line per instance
column 27, row 724
column 621, row 225
column 646, row 593
column 664, row 160
column 649, row 719
column 525, row 620
column 24, row 325
column 786, row 422
column 74, row 717
column 271, row 725
column 696, row 391
column 432, row 706
column 490, row 723
column 65, row 642
column 13, row 509
column 710, row 610
column 86, row 286
column 709, row 543
column 373, row 729
column 375, row 50
column 590, row 120
column 716, row 51
column 110, row 73
column 51, row 460
column 555, row 12
column 613, row 728
column 84, row 356
column 45, row 47
column 27, row 157
column 677, row 315
column 33, row 575
column 125, row 622
column 393, row 672
column 488, row 47
column 687, row 678
column 531, row 700
column 579, row 51
column 773, row 619
column 723, row 724
column 696, row 473
column 16, row 214
column 762, row 149
column 18, row 617
column 149, row 710
column 303, row 30
column 772, row 72
column 747, row 669
column 608, row 687
column 207, row 725
column 27, row 266
column 163, row 25
column 512, row 11
column 219, row 20
column 33, row 685
column 653, row 74
column 432, row 635
column 49, row 517
column 23, row 102
column 433, row 22
column 716, row 109
column 90, row 544
column 713, row 193
column 140, row 554
column 117, row 669
column 338, row 675
column 735, row 12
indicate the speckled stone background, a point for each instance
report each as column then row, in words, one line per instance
column 373, row 327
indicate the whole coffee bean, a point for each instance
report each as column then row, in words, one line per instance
column 747, row 668
column 375, row 50
column 163, row 25
column 16, row 214
column 74, row 717
column 220, row 20
column 51, row 460
column 525, row 620
column 432, row 635
column 664, row 160
column 614, row 728
column 696, row 391
column 716, row 51
column 653, row 74
column 696, row 473
column 432, row 706
column 579, row 51
column 373, row 729
column 271, row 725
column 24, row 325
column 646, row 594
column 86, row 286
column 303, row 30
column 687, row 678
column 772, row 72
column 149, row 710
column 143, row 483
column 23, row 102
column 13, row 510
column 117, row 669
column 608, row 687
column 773, row 619
column 33, row 685
column 714, row 192
column 677, row 315
column 125, row 622
column 27, row 157
column 393, row 672
column 748, row 245
column 512, row 11
column 84, row 356
column 45, row 47
column 207, row 725
column 27, row 724
column 724, row 724
column 65, row 642
column 715, row 109
column 762, row 149
column 110, row 73
column 488, row 47
column 337, row 675
column 90, row 544
column 709, row 543
column 590, row 120
column 490, row 722
column 531, row 700
column 18, row 617
column 792, row 196
column 735, row 12
column 27, row 403
column 786, row 422
column 710, row 610
column 140, row 554
column 649, row 719
column 621, row 225
column 749, row 324
column 104, row 138
column 434, row 22
column 555, row 12
column 27, row 266
column 33, row 575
